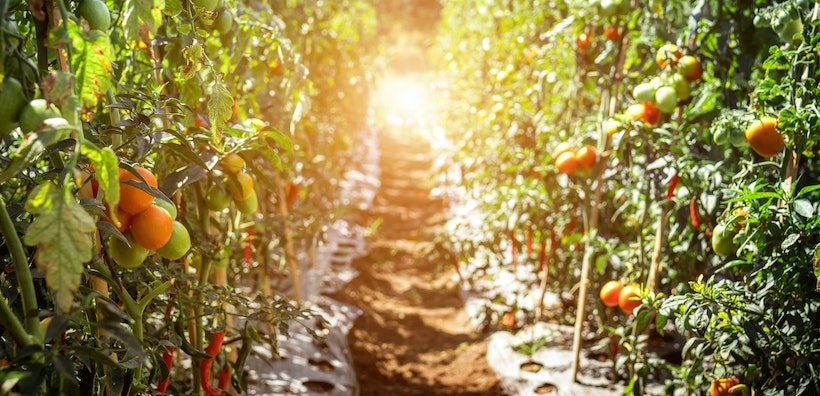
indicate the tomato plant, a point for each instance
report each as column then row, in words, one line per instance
column 715, row 99
column 118, row 121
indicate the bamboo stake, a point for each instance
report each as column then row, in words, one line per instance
column 608, row 106
column 290, row 255
column 660, row 240
column 545, row 264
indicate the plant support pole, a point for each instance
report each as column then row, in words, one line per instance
column 609, row 101
column 25, row 282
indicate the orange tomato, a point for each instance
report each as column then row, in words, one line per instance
column 123, row 218
column 611, row 33
column 232, row 163
column 667, row 55
column 242, row 189
column 566, row 163
column 132, row 199
column 628, row 298
column 764, row 138
column 611, row 126
column 561, row 148
column 741, row 214
column 587, row 156
column 720, row 386
column 646, row 112
column 276, row 68
column 610, row 293
column 152, row 228
column 583, row 42
column 690, row 68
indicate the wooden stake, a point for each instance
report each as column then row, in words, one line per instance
column 660, row 240
column 608, row 105
column 290, row 255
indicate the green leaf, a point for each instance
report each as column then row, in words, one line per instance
column 644, row 316
column 141, row 18
column 803, row 207
column 808, row 189
column 91, row 61
column 62, row 232
column 172, row 8
column 660, row 323
column 106, row 172
column 281, row 140
column 219, row 108
column 789, row 241
column 35, row 144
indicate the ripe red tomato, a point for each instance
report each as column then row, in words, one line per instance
column 611, row 33
column 582, row 42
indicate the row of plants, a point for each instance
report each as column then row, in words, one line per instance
column 162, row 165
column 658, row 155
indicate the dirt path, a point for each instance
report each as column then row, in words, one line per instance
column 414, row 337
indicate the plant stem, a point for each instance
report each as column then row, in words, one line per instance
column 13, row 325
column 660, row 238
column 24, row 280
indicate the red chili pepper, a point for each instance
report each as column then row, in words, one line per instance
column 693, row 211
column 542, row 256
column 224, row 378
column 528, row 235
column 292, row 191
column 670, row 192
column 613, row 345
column 247, row 247
column 168, row 358
column 205, row 367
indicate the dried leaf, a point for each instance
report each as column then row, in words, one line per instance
column 62, row 232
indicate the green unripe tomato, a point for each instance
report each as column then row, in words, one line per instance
column 168, row 206
column 760, row 21
column 609, row 7
column 789, row 30
column 125, row 256
column 644, row 92
column 178, row 245
column 681, row 86
column 720, row 136
column 666, row 99
column 96, row 13
column 224, row 21
column 723, row 240
column 209, row 5
column 35, row 112
column 12, row 101
column 249, row 205
column 737, row 137
column 217, row 199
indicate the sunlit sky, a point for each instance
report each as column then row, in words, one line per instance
column 403, row 100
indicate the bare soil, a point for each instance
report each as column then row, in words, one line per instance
column 414, row 337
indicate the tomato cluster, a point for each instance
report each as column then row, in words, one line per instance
column 567, row 160
column 239, row 184
column 147, row 223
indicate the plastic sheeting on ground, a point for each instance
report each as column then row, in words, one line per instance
column 307, row 366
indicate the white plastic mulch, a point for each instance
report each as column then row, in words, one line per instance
column 307, row 366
